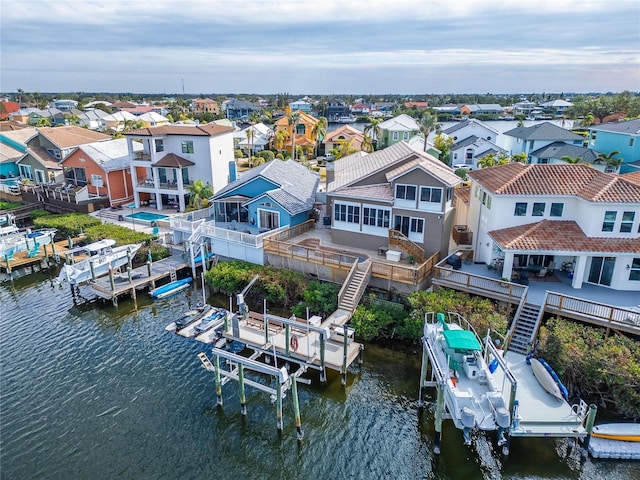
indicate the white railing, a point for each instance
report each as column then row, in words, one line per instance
column 211, row 231
column 605, row 313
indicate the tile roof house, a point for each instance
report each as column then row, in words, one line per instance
column 7, row 107
column 103, row 167
column 397, row 188
column 174, row 156
column 528, row 139
column 303, row 130
column 558, row 214
column 272, row 195
column 397, row 129
column 345, row 132
column 623, row 137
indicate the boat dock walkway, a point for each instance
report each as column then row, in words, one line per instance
column 50, row 253
column 111, row 286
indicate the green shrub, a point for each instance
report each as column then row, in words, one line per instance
column 9, row 205
column 39, row 214
column 267, row 155
column 237, row 153
column 320, row 297
column 69, row 225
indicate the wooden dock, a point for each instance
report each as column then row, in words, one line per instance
column 50, row 253
column 112, row 286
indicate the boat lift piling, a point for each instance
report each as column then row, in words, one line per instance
column 591, row 418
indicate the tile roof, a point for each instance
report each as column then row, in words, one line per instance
column 356, row 167
column 208, row 130
column 631, row 127
column 11, row 126
column 633, row 177
column 71, row 136
column 379, row 192
column 543, row 131
column 560, row 236
column 297, row 183
column 463, row 193
column 561, row 149
column 346, row 130
column 111, row 155
column 557, row 179
column 171, row 160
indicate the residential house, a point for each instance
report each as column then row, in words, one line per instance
column 104, row 168
column 492, row 109
column 174, row 156
column 51, row 145
column 529, row 139
column 554, row 153
column 397, row 188
column 53, row 115
column 275, row 194
column 556, row 107
column 120, row 104
column 417, row 142
column 303, row 131
column 466, row 153
column 96, row 104
column 261, row 136
column 450, row 109
column 469, row 128
column 153, row 119
column 117, row 121
column 23, row 114
column 13, row 145
column 334, row 109
column 238, row 109
column 92, row 119
column 7, row 108
column 397, row 129
column 300, row 105
column 417, row 105
column 65, row 105
column 570, row 217
column 360, row 109
column 524, row 107
column 623, row 137
column 205, row 105
column 344, row 133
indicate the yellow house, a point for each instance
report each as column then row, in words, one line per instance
column 303, row 129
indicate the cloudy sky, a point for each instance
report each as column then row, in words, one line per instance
column 320, row 46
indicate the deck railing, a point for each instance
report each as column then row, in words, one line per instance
column 490, row 287
column 399, row 239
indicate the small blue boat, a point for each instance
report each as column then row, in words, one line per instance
column 171, row 288
column 198, row 259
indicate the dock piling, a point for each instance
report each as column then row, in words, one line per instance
column 296, row 407
column 423, row 376
column 243, row 399
column 345, row 344
column 438, row 418
column 591, row 418
column 218, row 381
column 279, row 423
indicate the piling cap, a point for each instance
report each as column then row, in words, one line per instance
column 497, row 342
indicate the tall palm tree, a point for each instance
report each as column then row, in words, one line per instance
column 427, row 123
column 293, row 118
column 343, row 149
column 318, row 132
column 279, row 139
column 367, row 145
column 373, row 130
column 199, row 194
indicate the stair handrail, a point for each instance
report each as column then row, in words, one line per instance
column 365, row 280
column 536, row 327
column 347, row 281
column 516, row 317
column 398, row 238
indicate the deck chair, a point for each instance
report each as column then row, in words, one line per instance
column 9, row 256
column 542, row 274
column 155, row 231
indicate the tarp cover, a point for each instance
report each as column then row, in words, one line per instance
column 461, row 340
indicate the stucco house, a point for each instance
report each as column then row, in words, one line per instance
column 236, row 109
column 48, row 147
column 493, row 109
column 13, row 145
column 303, row 130
column 397, row 129
column 570, row 217
column 346, row 133
column 466, row 153
column 117, row 121
column 205, row 105
column 153, row 119
column 301, row 105
column 554, row 152
column 104, row 168
column 529, row 139
column 174, row 156
column 398, row 188
column 272, row 195
column 623, row 137
column 471, row 127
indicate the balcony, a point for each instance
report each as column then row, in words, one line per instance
column 462, row 235
column 142, row 156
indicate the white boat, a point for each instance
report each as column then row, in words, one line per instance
column 548, row 378
column 103, row 257
column 13, row 240
column 191, row 329
column 471, row 397
column 625, row 432
column 188, row 317
column 209, row 329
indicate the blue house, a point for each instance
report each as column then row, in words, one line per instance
column 621, row 136
column 269, row 196
column 529, row 139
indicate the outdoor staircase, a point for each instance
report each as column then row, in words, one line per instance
column 196, row 240
column 525, row 327
column 354, row 287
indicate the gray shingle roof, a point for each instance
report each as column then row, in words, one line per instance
column 561, row 149
column 631, row 127
column 543, row 131
column 295, row 185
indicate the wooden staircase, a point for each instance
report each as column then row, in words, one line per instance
column 526, row 324
column 400, row 240
column 354, row 286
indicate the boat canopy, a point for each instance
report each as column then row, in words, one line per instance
column 461, row 340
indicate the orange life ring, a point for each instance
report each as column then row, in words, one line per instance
column 294, row 343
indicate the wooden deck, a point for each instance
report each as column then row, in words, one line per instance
column 53, row 253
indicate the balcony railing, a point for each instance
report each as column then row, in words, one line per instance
column 142, row 156
column 399, row 239
column 462, row 235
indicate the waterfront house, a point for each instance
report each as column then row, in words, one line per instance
column 335, row 109
column 492, row 109
column 556, row 107
column 556, row 217
column 398, row 188
column 237, row 109
column 174, row 156
column 623, row 137
column 272, row 195
column 301, row 105
column 64, row 104
column 344, row 133
column 104, row 168
column 397, row 129
column 13, row 145
column 303, row 130
column 529, row 139
column 205, row 105
column 48, row 147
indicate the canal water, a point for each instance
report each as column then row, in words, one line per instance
column 88, row 391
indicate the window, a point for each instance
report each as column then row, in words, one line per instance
column 187, row 146
column 609, row 221
column 76, row 176
column 395, row 135
column 375, row 217
column 430, row 194
column 631, row 141
column 347, row 213
column 627, row 222
column 556, row 209
column 406, row 192
column 96, row 180
column 634, row 272
column 160, row 145
column 26, row 171
column 538, row 209
column 405, row 136
column 521, row 209
column 300, row 129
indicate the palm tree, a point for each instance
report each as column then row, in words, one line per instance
column 293, row 118
column 250, row 134
column 608, row 160
column 318, row 132
column 487, row 161
column 199, row 194
column 367, row 146
column 343, row 149
column 373, row 130
column 571, row 160
column 427, row 123
column 519, row 158
column 279, row 139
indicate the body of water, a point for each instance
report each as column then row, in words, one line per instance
column 88, row 391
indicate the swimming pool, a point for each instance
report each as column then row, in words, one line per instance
column 147, row 216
